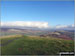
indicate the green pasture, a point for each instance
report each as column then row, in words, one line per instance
column 33, row 45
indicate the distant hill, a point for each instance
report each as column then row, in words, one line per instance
column 65, row 34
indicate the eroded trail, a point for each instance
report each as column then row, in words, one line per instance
column 8, row 42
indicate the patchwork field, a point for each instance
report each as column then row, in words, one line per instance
column 34, row 45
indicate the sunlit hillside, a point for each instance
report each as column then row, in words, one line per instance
column 34, row 45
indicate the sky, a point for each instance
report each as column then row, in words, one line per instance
column 50, row 13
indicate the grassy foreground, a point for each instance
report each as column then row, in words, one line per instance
column 36, row 46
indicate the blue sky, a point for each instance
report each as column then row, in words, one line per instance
column 55, row 13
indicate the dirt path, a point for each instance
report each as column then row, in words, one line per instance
column 9, row 41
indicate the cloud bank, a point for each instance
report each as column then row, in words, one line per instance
column 64, row 26
column 25, row 24
column 61, row 26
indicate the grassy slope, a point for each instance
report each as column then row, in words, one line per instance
column 36, row 45
column 7, row 39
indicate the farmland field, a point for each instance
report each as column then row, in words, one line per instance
column 34, row 45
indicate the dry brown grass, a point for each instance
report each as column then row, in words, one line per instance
column 12, row 36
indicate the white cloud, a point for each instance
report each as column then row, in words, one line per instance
column 73, row 25
column 25, row 24
column 61, row 26
column 33, row 24
column 64, row 26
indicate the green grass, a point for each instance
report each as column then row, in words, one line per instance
column 5, row 39
column 37, row 46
